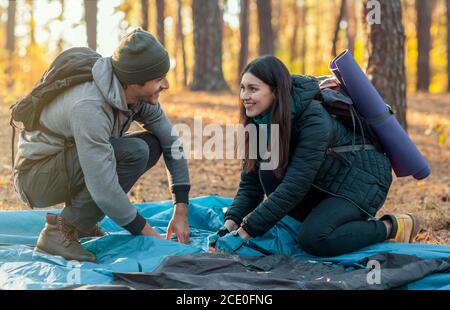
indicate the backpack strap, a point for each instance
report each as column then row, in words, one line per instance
column 381, row 118
column 68, row 82
column 13, row 138
column 352, row 148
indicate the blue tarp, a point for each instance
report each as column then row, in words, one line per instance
column 23, row 268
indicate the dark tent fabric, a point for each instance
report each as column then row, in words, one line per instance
column 232, row 272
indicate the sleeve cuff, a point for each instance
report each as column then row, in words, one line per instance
column 136, row 225
column 235, row 219
column 180, row 194
column 248, row 228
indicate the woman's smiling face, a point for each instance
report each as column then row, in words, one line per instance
column 256, row 96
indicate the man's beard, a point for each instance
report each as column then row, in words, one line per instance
column 148, row 100
column 153, row 99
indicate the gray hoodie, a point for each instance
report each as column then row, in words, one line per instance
column 86, row 113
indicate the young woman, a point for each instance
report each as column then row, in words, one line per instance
column 325, row 178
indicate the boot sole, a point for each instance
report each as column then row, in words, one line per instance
column 41, row 250
column 416, row 227
column 66, row 258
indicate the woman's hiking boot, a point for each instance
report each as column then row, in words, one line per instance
column 404, row 227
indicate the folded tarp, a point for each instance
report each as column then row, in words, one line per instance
column 119, row 253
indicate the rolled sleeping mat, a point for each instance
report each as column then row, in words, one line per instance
column 405, row 158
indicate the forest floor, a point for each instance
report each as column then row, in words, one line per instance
column 428, row 117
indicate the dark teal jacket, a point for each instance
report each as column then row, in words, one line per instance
column 362, row 177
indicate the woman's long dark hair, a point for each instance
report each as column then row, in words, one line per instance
column 274, row 73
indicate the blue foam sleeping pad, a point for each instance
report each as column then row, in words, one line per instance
column 406, row 159
column 23, row 268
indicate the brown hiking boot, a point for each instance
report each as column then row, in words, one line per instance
column 404, row 227
column 95, row 233
column 60, row 238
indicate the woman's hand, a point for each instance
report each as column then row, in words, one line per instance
column 212, row 239
column 230, row 225
column 233, row 241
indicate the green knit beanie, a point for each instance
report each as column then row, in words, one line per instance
column 139, row 58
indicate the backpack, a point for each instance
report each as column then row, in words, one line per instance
column 340, row 106
column 71, row 67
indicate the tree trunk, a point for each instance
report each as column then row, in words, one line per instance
column 90, row 10
column 208, row 32
column 10, row 43
column 351, row 26
column 448, row 46
column 244, row 27
column 337, row 26
column 180, row 39
column 318, row 45
column 144, row 10
column 386, row 62
column 160, row 20
column 277, row 24
column 296, row 25
column 10, row 27
column 32, row 23
column 303, row 45
column 423, row 24
column 60, row 45
column 266, row 38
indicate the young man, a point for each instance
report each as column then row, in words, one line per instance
column 104, row 162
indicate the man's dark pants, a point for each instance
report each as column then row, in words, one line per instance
column 45, row 184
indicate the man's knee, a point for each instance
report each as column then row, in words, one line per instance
column 131, row 150
column 154, row 147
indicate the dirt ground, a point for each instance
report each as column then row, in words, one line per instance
column 428, row 116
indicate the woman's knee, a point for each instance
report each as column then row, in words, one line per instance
column 317, row 243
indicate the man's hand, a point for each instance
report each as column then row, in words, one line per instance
column 179, row 225
column 149, row 231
